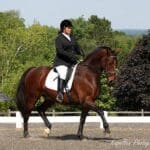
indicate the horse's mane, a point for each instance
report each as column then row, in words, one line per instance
column 96, row 50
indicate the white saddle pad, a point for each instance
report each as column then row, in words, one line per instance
column 52, row 79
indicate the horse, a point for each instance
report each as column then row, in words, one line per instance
column 84, row 91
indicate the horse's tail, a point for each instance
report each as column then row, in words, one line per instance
column 20, row 94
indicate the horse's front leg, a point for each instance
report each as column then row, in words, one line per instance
column 93, row 107
column 44, row 117
column 41, row 109
column 82, row 121
column 105, row 123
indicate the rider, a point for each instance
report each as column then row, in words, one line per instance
column 67, row 50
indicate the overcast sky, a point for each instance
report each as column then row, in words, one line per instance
column 133, row 14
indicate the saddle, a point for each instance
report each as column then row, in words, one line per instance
column 51, row 81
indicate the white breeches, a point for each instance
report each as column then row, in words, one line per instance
column 62, row 71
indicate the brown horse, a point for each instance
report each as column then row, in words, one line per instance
column 84, row 90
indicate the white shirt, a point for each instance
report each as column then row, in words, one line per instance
column 67, row 36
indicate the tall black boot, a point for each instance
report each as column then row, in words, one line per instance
column 60, row 95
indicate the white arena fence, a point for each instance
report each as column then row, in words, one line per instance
column 60, row 117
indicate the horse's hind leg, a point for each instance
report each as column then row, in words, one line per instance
column 26, row 114
column 25, row 119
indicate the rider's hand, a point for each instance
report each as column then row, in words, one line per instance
column 74, row 59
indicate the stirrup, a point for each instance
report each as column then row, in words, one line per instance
column 60, row 97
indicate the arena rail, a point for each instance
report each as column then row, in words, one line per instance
column 61, row 117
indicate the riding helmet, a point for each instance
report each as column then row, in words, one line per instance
column 65, row 23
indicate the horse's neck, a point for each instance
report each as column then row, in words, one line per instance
column 89, row 69
column 93, row 67
column 94, row 62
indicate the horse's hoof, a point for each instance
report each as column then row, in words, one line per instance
column 80, row 137
column 47, row 132
column 26, row 136
column 107, row 131
column 107, row 134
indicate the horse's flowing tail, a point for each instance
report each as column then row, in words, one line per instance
column 20, row 94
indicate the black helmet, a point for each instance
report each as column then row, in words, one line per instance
column 65, row 23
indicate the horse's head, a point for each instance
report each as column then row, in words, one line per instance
column 109, row 65
column 103, row 59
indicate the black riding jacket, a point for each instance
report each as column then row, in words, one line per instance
column 66, row 51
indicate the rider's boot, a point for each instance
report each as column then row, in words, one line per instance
column 60, row 94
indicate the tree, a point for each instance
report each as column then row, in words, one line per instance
column 123, row 45
column 11, row 28
column 102, row 31
column 21, row 48
column 105, row 99
column 39, row 43
column 93, row 32
column 132, row 88
column 82, row 30
column 10, row 20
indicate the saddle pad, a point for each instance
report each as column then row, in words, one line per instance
column 52, row 79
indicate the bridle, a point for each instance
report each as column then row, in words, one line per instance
column 100, row 69
column 110, row 73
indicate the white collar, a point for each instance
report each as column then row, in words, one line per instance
column 67, row 36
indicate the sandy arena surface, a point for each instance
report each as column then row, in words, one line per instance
column 63, row 137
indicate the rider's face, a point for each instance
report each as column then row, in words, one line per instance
column 67, row 30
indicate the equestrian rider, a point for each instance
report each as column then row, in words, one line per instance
column 67, row 50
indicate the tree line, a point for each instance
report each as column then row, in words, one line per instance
column 24, row 46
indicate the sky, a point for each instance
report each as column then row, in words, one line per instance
column 123, row 14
